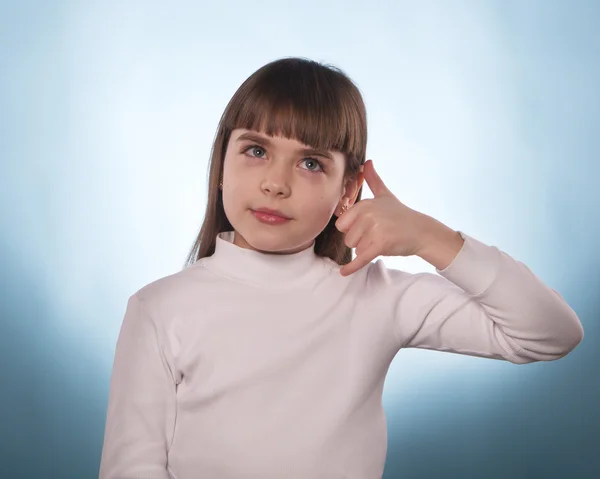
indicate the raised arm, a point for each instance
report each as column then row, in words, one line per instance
column 486, row 304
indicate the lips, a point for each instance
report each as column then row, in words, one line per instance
column 270, row 211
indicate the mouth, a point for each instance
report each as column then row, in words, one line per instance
column 270, row 217
column 270, row 212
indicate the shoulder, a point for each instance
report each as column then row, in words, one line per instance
column 380, row 280
column 175, row 291
column 375, row 274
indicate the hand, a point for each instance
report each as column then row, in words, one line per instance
column 382, row 225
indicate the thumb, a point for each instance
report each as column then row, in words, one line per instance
column 374, row 181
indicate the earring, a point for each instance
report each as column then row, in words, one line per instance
column 221, row 184
column 344, row 209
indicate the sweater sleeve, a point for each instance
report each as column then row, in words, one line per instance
column 484, row 304
column 142, row 402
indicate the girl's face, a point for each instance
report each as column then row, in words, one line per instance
column 262, row 171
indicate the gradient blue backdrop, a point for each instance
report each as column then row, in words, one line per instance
column 483, row 114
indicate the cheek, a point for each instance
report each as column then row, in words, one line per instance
column 233, row 199
column 319, row 206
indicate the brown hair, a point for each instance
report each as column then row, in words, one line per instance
column 299, row 99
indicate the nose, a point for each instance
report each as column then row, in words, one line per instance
column 276, row 183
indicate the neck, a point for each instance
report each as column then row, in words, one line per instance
column 266, row 269
column 240, row 241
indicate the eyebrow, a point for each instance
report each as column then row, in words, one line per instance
column 261, row 140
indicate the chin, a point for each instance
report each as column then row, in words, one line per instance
column 273, row 239
column 276, row 241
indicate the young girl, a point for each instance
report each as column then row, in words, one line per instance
column 265, row 357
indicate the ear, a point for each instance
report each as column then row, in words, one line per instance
column 352, row 186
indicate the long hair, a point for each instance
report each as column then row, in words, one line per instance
column 299, row 99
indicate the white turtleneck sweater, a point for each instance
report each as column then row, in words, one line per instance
column 257, row 366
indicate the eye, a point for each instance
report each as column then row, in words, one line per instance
column 254, row 148
column 255, row 152
column 314, row 162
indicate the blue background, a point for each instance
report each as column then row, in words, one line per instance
column 483, row 114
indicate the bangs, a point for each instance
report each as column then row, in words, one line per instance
column 302, row 101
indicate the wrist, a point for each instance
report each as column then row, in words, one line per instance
column 440, row 243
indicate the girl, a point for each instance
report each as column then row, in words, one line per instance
column 265, row 357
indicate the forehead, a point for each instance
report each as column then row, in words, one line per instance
column 280, row 142
column 255, row 135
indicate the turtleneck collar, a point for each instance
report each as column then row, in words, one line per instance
column 278, row 271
